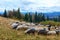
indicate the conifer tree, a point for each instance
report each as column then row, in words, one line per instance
column 30, row 17
column 58, row 18
column 26, row 17
column 19, row 16
column 5, row 13
column 35, row 17
column 43, row 17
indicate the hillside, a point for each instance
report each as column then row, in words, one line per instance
column 7, row 33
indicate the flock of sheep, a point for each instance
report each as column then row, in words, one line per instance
column 31, row 28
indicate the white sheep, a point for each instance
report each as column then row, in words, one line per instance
column 32, row 24
column 22, row 26
column 51, row 32
column 14, row 25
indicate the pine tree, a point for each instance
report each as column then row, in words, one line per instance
column 35, row 17
column 43, row 17
column 26, row 18
column 19, row 16
column 47, row 18
column 30, row 17
column 55, row 19
column 59, row 18
column 5, row 13
column 39, row 17
column 14, row 13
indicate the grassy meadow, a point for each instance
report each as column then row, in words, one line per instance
column 7, row 33
column 53, row 23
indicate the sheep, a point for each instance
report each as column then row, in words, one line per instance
column 30, row 31
column 57, row 31
column 49, row 27
column 28, row 24
column 14, row 25
column 22, row 27
column 38, row 28
column 32, row 24
column 43, row 31
column 51, row 32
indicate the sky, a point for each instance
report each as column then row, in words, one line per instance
column 31, row 5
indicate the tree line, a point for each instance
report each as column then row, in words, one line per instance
column 28, row 17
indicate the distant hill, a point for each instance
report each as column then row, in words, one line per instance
column 53, row 14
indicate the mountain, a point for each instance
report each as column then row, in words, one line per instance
column 50, row 14
column 53, row 14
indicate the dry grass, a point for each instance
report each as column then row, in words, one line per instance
column 7, row 33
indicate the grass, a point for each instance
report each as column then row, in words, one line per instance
column 7, row 33
column 53, row 23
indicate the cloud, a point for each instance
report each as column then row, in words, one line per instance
column 31, row 5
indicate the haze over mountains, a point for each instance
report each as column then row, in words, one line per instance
column 53, row 14
column 50, row 14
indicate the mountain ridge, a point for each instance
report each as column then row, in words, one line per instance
column 50, row 14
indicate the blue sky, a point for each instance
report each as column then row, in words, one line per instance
column 31, row 5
